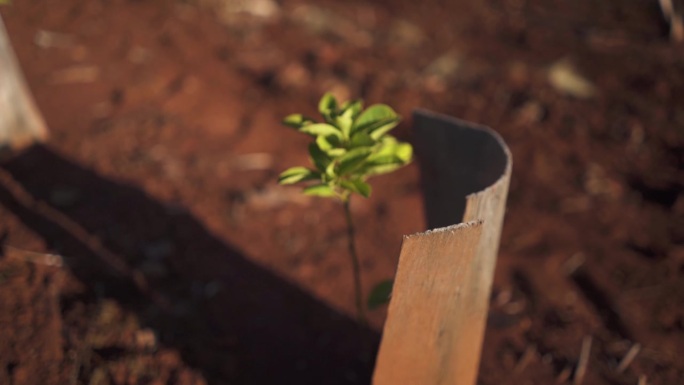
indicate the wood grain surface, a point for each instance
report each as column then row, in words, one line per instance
column 438, row 311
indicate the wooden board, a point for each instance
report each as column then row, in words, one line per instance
column 438, row 311
column 427, row 338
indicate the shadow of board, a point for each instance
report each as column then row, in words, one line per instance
column 274, row 332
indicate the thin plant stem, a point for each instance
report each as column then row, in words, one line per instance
column 356, row 266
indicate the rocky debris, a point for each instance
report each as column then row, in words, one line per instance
column 261, row 63
column 531, row 112
column 406, row 34
column 253, row 162
column 324, row 21
column 597, row 183
column 257, row 8
column 566, row 79
column 49, row 39
column 145, row 339
column 293, row 75
column 241, row 12
column 441, row 71
column 75, row 74
column 138, row 55
column 275, row 196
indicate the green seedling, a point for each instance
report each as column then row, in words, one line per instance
column 350, row 145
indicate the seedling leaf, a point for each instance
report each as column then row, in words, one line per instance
column 327, row 106
column 404, row 151
column 358, row 186
column 319, row 158
column 321, row 190
column 297, row 174
column 375, row 117
column 318, row 129
column 377, row 132
column 355, row 106
column 382, row 165
column 296, row 121
column 330, row 145
column 361, row 139
column 391, row 146
column 345, row 121
column 380, row 295
column 330, row 171
column 352, row 159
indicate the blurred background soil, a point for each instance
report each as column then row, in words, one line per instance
column 166, row 144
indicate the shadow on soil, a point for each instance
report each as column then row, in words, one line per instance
column 231, row 319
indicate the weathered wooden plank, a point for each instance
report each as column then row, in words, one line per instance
column 437, row 315
column 20, row 121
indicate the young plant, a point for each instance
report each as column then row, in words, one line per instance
column 351, row 145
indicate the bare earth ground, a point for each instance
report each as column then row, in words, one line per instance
column 166, row 143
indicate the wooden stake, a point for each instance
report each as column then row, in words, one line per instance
column 437, row 315
column 432, row 330
column 20, row 121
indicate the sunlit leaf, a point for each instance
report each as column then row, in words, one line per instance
column 296, row 121
column 361, row 139
column 389, row 140
column 321, row 190
column 319, row 158
column 391, row 156
column 297, row 174
column 330, row 171
column 404, row 151
column 378, row 132
column 327, row 106
column 330, row 144
column 352, row 159
column 380, row 295
column 375, row 117
column 344, row 122
column 389, row 145
column 318, row 129
column 356, row 106
column 358, row 186
column 382, row 165
column 384, row 160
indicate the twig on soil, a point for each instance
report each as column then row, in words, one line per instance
column 674, row 19
column 85, row 350
column 117, row 263
column 628, row 358
column 525, row 359
column 573, row 263
column 33, row 256
column 564, row 375
column 583, row 361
